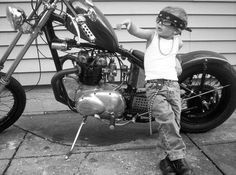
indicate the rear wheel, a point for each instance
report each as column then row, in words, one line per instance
column 208, row 96
column 12, row 103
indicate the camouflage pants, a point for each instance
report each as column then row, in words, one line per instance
column 165, row 105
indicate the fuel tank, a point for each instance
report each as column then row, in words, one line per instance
column 101, row 28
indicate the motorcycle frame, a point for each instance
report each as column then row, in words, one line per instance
column 45, row 25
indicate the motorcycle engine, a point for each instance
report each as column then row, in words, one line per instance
column 94, row 93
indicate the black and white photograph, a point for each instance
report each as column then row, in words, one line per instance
column 115, row 87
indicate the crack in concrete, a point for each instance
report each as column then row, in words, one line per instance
column 218, row 143
column 41, row 156
column 83, row 152
column 85, row 157
column 44, row 138
column 14, row 154
column 4, row 159
column 205, row 154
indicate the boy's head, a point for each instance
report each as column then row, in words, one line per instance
column 173, row 17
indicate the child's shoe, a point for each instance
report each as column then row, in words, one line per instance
column 166, row 167
column 181, row 167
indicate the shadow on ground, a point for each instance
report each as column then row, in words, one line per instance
column 62, row 128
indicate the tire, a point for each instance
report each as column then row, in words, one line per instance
column 205, row 112
column 12, row 103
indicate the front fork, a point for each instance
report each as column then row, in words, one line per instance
column 5, row 80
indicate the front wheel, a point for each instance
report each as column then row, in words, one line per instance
column 208, row 93
column 12, row 103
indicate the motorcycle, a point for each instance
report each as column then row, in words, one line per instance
column 99, row 84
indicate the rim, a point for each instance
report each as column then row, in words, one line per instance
column 202, row 94
column 6, row 104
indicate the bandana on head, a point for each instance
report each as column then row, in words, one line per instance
column 178, row 23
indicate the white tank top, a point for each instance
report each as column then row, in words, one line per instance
column 159, row 60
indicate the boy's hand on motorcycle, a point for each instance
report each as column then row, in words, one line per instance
column 126, row 23
column 119, row 26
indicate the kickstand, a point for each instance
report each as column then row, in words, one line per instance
column 76, row 137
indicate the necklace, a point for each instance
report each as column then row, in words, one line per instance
column 159, row 47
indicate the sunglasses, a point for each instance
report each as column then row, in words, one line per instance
column 165, row 22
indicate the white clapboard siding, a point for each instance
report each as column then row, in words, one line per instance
column 145, row 7
column 32, row 78
column 213, row 23
column 195, row 21
column 220, row 46
column 198, row 34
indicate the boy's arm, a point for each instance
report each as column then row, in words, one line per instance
column 178, row 66
column 136, row 31
column 180, row 44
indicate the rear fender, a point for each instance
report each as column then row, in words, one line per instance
column 199, row 57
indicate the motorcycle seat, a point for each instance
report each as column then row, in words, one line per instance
column 139, row 54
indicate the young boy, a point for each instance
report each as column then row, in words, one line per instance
column 163, row 93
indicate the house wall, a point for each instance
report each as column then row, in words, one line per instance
column 213, row 23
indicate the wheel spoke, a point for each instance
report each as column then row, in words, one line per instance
column 202, row 80
column 204, row 93
column 6, row 103
column 4, row 110
column 201, row 91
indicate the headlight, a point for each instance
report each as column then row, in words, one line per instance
column 16, row 17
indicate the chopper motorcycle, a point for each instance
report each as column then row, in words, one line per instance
column 103, row 86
